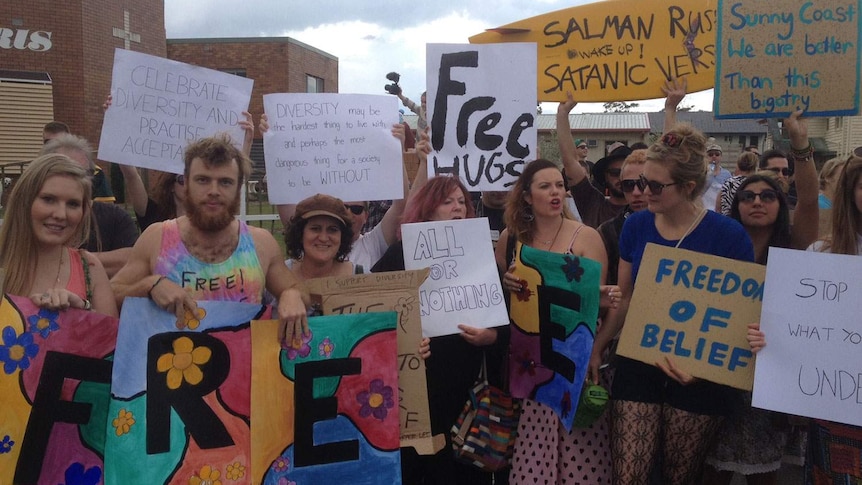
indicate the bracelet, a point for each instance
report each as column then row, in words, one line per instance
column 802, row 154
column 150, row 292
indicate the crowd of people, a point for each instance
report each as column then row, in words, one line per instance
column 63, row 250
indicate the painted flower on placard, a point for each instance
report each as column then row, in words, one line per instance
column 6, row 445
column 326, row 347
column 298, row 347
column 193, row 318
column 285, row 481
column 526, row 364
column 281, row 464
column 17, row 350
column 566, row 404
column 404, row 306
column 123, row 422
column 206, row 476
column 77, row 475
column 44, row 322
column 572, row 268
column 525, row 293
column 184, row 362
column 376, row 401
column 235, row 471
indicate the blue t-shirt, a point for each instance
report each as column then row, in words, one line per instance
column 716, row 234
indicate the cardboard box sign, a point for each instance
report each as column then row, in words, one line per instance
column 382, row 292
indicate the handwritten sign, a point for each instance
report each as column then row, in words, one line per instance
column 336, row 144
column 482, row 112
column 694, row 308
column 383, row 292
column 464, row 286
column 553, row 328
column 326, row 410
column 160, row 106
column 777, row 56
column 618, row 50
column 811, row 365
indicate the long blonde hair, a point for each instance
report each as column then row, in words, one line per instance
column 18, row 254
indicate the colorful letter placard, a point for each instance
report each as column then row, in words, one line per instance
column 695, row 309
column 553, row 327
column 326, row 408
column 464, row 286
column 336, row 144
column 180, row 399
column 482, row 110
column 811, row 365
column 54, row 391
column 159, row 106
column 778, row 56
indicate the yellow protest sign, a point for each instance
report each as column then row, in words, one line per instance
column 695, row 309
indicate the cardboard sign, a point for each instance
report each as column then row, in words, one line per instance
column 54, row 391
column 464, row 286
column 160, row 106
column 336, row 144
column 481, row 112
column 553, row 328
column 695, row 309
column 618, row 50
column 778, row 56
column 180, row 399
column 811, row 365
column 383, row 292
column 326, row 409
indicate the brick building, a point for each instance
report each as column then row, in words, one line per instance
column 56, row 60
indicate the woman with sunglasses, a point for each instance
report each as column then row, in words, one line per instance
column 752, row 442
column 658, row 411
column 47, row 218
column 537, row 216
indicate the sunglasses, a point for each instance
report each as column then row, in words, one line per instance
column 766, row 196
column 714, row 154
column 355, row 209
column 628, row 185
column 613, row 172
column 783, row 171
column 582, row 146
column 655, row 187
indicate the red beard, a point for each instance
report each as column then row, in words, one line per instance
column 210, row 222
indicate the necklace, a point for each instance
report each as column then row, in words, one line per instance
column 60, row 266
column 550, row 242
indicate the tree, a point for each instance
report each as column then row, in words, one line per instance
column 619, row 107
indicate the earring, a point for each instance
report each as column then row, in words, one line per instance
column 528, row 213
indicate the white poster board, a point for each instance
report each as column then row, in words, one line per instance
column 481, row 110
column 335, row 144
column 160, row 106
column 463, row 286
column 812, row 317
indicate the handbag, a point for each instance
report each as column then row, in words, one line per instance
column 484, row 434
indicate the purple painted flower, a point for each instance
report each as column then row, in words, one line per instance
column 285, row 481
column 281, row 464
column 17, row 350
column 44, row 322
column 572, row 268
column 376, row 400
column 76, row 475
column 326, row 347
column 6, row 445
column 299, row 347
column 526, row 364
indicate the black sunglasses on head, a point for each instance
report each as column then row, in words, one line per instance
column 355, row 209
column 766, row 195
column 654, row 186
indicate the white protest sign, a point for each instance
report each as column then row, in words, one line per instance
column 335, row 144
column 463, row 286
column 481, row 110
column 812, row 364
column 160, row 106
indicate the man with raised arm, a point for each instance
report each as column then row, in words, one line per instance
column 208, row 254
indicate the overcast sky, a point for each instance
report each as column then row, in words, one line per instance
column 370, row 38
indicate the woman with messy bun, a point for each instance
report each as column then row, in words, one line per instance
column 660, row 410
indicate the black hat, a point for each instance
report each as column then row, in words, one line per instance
column 618, row 152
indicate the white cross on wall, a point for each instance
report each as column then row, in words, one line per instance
column 125, row 33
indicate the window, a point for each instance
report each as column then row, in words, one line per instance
column 313, row 84
column 236, row 71
column 592, row 143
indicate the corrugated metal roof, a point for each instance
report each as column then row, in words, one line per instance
column 705, row 121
